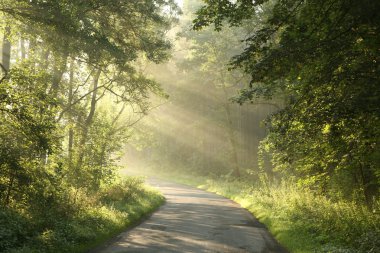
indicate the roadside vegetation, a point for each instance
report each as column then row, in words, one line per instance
column 302, row 220
column 78, row 227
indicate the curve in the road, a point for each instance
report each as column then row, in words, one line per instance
column 194, row 220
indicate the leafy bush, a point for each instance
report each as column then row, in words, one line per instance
column 13, row 229
column 128, row 189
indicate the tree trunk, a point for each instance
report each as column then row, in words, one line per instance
column 31, row 52
column 87, row 123
column 45, row 59
column 59, row 69
column 369, row 189
column 231, row 135
column 10, row 186
column 6, row 54
column 22, row 48
column 71, row 128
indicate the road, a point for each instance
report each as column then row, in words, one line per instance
column 194, row 220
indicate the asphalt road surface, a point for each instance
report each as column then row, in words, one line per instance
column 194, row 220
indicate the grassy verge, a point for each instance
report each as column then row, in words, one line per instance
column 94, row 220
column 300, row 219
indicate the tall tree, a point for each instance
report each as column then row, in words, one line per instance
column 6, row 51
column 71, row 43
column 323, row 55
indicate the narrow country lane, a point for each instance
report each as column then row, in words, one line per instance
column 193, row 220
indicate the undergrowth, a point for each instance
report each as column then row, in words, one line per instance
column 92, row 221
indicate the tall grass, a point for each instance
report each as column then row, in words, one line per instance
column 300, row 219
column 304, row 221
column 93, row 220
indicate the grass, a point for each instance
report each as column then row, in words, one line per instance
column 301, row 220
column 94, row 221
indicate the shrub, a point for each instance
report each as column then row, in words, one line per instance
column 13, row 229
column 91, row 220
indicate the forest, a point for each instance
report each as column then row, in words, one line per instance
column 272, row 103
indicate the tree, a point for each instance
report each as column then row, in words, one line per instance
column 28, row 130
column 71, row 58
column 323, row 55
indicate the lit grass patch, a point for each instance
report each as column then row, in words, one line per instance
column 300, row 219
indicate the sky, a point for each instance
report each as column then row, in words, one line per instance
column 179, row 2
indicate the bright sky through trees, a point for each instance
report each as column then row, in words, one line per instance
column 179, row 2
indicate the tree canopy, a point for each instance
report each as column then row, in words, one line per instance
column 72, row 86
column 323, row 55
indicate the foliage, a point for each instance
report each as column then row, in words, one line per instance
column 71, row 87
column 27, row 133
column 117, row 30
column 127, row 190
column 93, row 221
column 323, row 55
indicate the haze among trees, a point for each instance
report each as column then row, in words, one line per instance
column 277, row 99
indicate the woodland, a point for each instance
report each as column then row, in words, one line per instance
column 273, row 103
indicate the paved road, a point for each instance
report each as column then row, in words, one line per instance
column 193, row 220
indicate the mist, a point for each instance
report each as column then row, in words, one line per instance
column 198, row 128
